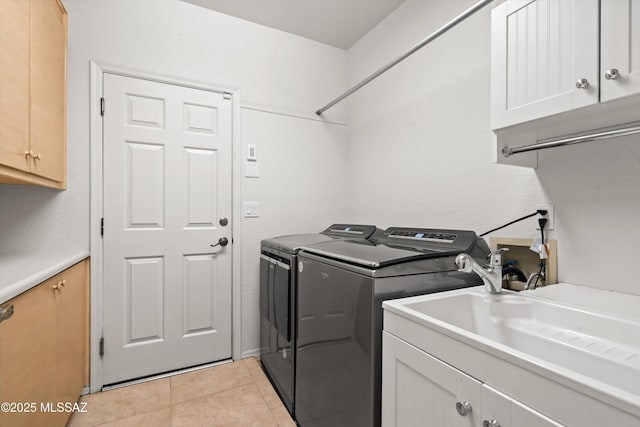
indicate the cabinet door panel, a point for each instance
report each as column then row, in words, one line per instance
column 540, row 48
column 418, row 389
column 510, row 413
column 620, row 26
column 14, row 84
column 27, row 359
column 48, row 88
column 71, row 335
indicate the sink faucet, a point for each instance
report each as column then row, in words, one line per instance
column 491, row 274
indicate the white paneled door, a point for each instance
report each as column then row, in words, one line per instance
column 167, row 188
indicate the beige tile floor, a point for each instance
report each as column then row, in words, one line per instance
column 233, row 394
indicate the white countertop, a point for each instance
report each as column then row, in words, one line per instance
column 600, row 300
column 19, row 274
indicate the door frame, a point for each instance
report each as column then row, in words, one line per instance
column 97, row 71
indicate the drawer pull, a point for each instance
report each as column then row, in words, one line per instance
column 6, row 312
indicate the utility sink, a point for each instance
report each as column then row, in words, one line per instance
column 597, row 349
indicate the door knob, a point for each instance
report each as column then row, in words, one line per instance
column 490, row 423
column 224, row 221
column 223, row 241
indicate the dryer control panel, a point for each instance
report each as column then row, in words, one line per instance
column 351, row 230
column 461, row 240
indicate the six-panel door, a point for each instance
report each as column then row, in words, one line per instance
column 167, row 183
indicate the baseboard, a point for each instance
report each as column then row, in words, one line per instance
column 255, row 352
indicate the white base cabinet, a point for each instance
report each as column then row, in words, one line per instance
column 500, row 408
column 418, row 389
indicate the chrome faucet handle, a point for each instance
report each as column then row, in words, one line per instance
column 495, row 258
column 464, row 263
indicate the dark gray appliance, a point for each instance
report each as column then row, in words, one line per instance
column 341, row 287
column 278, row 258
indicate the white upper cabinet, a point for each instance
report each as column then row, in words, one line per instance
column 544, row 58
column 620, row 44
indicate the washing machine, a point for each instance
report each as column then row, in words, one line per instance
column 341, row 286
column 278, row 258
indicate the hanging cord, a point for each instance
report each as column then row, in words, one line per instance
column 539, row 211
column 543, row 262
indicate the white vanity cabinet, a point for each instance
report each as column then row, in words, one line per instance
column 500, row 408
column 555, row 56
column 418, row 389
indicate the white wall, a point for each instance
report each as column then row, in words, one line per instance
column 273, row 69
column 421, row 153
column 301, row 190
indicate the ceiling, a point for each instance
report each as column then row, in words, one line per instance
column 338, row 23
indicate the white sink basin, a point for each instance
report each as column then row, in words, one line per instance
column 600, row 348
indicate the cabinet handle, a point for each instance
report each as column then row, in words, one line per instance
column 612, row 74
column 6, row 313
column 582, row 84
column 463, row 408
column 490, row 423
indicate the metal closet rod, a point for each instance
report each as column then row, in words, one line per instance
column 598, row 136
column 446, row 27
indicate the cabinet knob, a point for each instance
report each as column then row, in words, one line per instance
column 582, row 84
column 61, row 284
column 27, row 153
column 612, row 74
column 56, row 287
column 463, row 408
column 6, row 312
column 36, row 156
column 490, row 423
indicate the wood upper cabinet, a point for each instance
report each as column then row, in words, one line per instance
column 14, row 84
column 33, row 39
column 44, row 355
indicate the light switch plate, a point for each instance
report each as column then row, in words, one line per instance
column 252, row 155
column 251, row 210
column 251, row 169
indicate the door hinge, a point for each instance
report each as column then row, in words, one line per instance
column 102, row 226
column 101, row 346
column 102, row 106
column 226, row 95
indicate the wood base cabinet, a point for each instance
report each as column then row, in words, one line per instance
column 44, row 350
column 33, row 57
